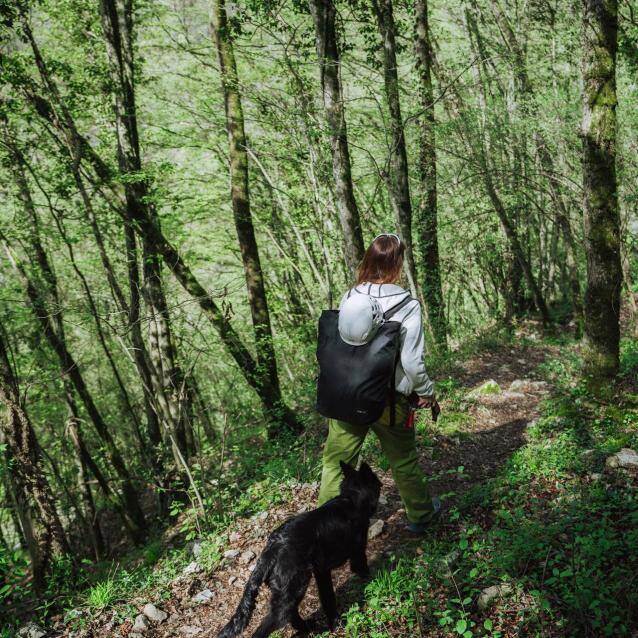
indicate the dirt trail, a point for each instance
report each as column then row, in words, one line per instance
column 495, row 427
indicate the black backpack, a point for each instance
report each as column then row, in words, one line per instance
column 355, row 382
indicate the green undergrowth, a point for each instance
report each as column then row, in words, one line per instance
column 555, row 530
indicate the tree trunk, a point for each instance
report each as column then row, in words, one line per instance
column 28, row 476
column 399, row 173
column 426, row 226
column 79, row 148
column 600, row 196
column 90, row 512
column 238, row 156
column 323, row 13
column 117, row 24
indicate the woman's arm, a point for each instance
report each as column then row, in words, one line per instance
column 412, row 347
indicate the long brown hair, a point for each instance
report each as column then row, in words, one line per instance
column 383, row 261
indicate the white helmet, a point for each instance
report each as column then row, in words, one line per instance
column 359, row 319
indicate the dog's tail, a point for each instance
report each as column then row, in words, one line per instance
column 246, row 606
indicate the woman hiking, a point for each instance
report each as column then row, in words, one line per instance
column 362, row 310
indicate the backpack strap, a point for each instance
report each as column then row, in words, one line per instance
column 393, row 391
column 394, row 309
column 390, row 312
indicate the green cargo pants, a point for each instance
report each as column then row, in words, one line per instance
column 399, row 446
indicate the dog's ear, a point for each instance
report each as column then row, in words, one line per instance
column 347, row 469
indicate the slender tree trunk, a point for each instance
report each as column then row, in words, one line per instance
column 240, row 196
column 323, row 13
column 426, row 226
column 600, row 195
column 140, row 354
column 26, row 468
column 90, row 512
column 78, row 148
column 126, row 405
column 399, row 173
column 117, row 24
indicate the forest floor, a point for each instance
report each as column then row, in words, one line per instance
column 478, row 437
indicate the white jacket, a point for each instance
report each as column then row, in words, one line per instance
column 411, row 375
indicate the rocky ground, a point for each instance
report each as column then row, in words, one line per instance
column 503, row 391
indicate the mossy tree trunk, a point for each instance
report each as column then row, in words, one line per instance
column 426, row 226
column 600, row 196
column 240, row 197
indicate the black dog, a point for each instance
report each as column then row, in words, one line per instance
column 312, row 543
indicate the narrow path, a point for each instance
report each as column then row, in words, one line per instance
column 489, row 431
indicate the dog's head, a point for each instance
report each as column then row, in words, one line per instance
column 362, row 486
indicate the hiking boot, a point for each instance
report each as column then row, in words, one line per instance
column 419, row 529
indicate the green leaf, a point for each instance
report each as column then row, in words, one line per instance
column 463, row 543
column 488, row 624
column 461, row 626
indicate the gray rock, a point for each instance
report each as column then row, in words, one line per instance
column 190, row 630
column 247, row 557
column 487, row 387
column 231, row 554
column 508, row 395
column 375, row 528
column 192, row 568
column 153, row 613
column 134, row 634
column 203, row 596
column 490, row 594
column 383, row 499
column 260, row 516
column 196, row 549
column 626, row 459
column 519, row 385
column 141, row 624
column 31, row 630
column 234, row 537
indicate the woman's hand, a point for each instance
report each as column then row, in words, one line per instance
column 426, row 402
